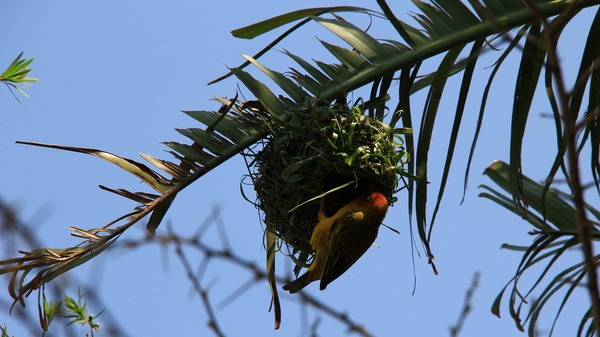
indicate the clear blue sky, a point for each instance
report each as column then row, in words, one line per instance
column 114, row 76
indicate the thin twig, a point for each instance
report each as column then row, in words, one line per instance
column 258, row 274
column 212, row 323
column 455, row 330
column 354, row 327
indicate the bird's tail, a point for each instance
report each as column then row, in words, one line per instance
column 298, row 284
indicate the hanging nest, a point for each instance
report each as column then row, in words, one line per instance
column 319, row 149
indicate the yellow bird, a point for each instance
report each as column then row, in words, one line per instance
column 340, row 240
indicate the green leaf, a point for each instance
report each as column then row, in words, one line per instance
column 254, row 30
column 292, row 89
column 349, row 58
column 273, row 105
column 514, row 43
column 527, row 79
column 158, row 214
column 367, row 46
column 460, row 109
column 423, row 144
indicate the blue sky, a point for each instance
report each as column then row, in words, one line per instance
column 115, row 76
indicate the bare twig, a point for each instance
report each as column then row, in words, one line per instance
column 258, row 272
column 352, row 326
column 455, row 330
column 202, row 292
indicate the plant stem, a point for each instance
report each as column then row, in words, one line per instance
column 571, row 129
column 583, row 223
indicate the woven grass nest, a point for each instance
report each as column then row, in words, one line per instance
column 319, row 149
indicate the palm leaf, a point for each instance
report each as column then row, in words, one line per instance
column 555, row 236
column 229, row 131
column 445, row 27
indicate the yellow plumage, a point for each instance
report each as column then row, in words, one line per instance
column 340, row 240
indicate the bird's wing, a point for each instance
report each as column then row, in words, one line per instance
column 347, row 244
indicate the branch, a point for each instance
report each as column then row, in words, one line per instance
column 225, row 253
column 571, row 131
column 455, row 330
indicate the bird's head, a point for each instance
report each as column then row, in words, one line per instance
column 377, row 200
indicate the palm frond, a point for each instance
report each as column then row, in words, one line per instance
column 445, row 27
column 228, row 131
column 555, row 235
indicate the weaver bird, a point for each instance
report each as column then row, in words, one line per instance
column 340, row 240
